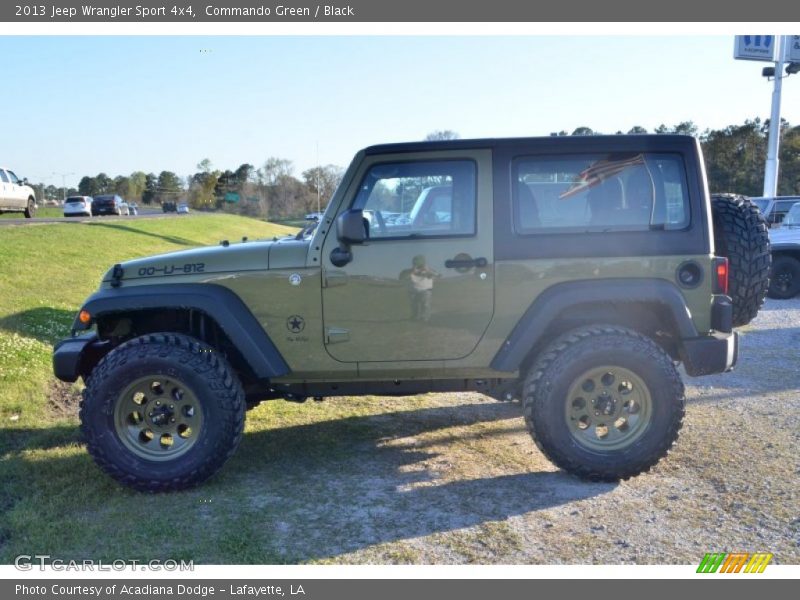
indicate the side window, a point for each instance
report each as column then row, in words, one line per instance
column 599, row 193
column 3, row 176
column 12, row 177
column 781, row 208
column 419, row 199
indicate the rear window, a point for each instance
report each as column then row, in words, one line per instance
column 75, row 200
column 599, row 193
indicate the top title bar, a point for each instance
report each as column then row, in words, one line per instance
column 355, row 11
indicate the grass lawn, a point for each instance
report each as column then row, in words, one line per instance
column 50, row 494
column 49, row 212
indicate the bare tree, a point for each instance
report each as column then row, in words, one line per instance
column 441, row 135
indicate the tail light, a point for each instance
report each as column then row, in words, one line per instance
column 721, row 273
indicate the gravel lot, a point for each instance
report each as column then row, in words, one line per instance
column 454, row 478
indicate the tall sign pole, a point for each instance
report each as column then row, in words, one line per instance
column 777, row 49
column 773, row 143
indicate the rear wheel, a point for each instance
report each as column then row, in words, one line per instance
column 604, row 403
column 162, row 412
column 785, row 279
column 30, row 209
column 741, row 235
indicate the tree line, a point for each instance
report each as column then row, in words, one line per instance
column 734, row 155
column 270, row 191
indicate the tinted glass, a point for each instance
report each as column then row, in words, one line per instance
column 792, row 218
column 3, row 176
column 419, row 199
column 598, row 193
column 761, row 204
column 13, row 177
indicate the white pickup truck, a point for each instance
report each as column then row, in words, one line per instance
column 15, row 194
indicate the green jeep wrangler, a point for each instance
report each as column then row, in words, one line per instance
column 573, row 274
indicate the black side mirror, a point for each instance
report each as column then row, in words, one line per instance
column 351, row 227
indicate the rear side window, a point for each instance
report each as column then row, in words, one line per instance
column 599, row 193
column 3, row 176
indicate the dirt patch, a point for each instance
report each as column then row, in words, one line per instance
column 63, row 399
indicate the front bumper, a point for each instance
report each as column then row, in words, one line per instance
column 72, row 355
column 715, row 353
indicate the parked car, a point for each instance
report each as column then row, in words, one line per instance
column 78, row 206
column 125, row 209
column 109, row 204
column 16, row 195
column 183, row 208
column 169, row 207
column 785, row 275
column 314, row 216
column 134, row 208
column 775, row 209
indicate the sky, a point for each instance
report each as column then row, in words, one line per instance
column 78, row 105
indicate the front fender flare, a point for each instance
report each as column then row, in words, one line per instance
column 219, row 303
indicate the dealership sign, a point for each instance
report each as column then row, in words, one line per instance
column 755, row 47
column 792, row 48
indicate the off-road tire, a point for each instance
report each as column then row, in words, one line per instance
column 30, row 208
column 741, row 234
column 562, row 364
column 197, row 366
column 781, row 288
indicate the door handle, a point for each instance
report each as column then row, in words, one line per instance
column 465, row 263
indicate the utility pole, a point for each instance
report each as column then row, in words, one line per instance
column 773, row 142
column 63, row 184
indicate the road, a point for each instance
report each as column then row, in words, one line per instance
column 143, row 214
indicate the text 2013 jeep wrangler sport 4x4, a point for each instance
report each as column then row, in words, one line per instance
column 571, row 273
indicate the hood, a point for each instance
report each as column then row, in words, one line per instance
column 225, row 258
column 785, row 235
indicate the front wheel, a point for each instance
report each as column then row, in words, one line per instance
column 785, row 279
column 162, row 412
column 604, row 403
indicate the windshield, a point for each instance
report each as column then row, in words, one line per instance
column 761, row 203
column 307, row 232
column 792, row 218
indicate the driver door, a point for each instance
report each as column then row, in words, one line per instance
column 421, row 288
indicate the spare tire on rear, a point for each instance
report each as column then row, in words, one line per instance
column 741, row 235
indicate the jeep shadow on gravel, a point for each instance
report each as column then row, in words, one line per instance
column 573, row 274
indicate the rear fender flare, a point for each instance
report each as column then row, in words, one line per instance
column 546, row 308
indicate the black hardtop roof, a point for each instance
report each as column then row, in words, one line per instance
column 639, row 141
